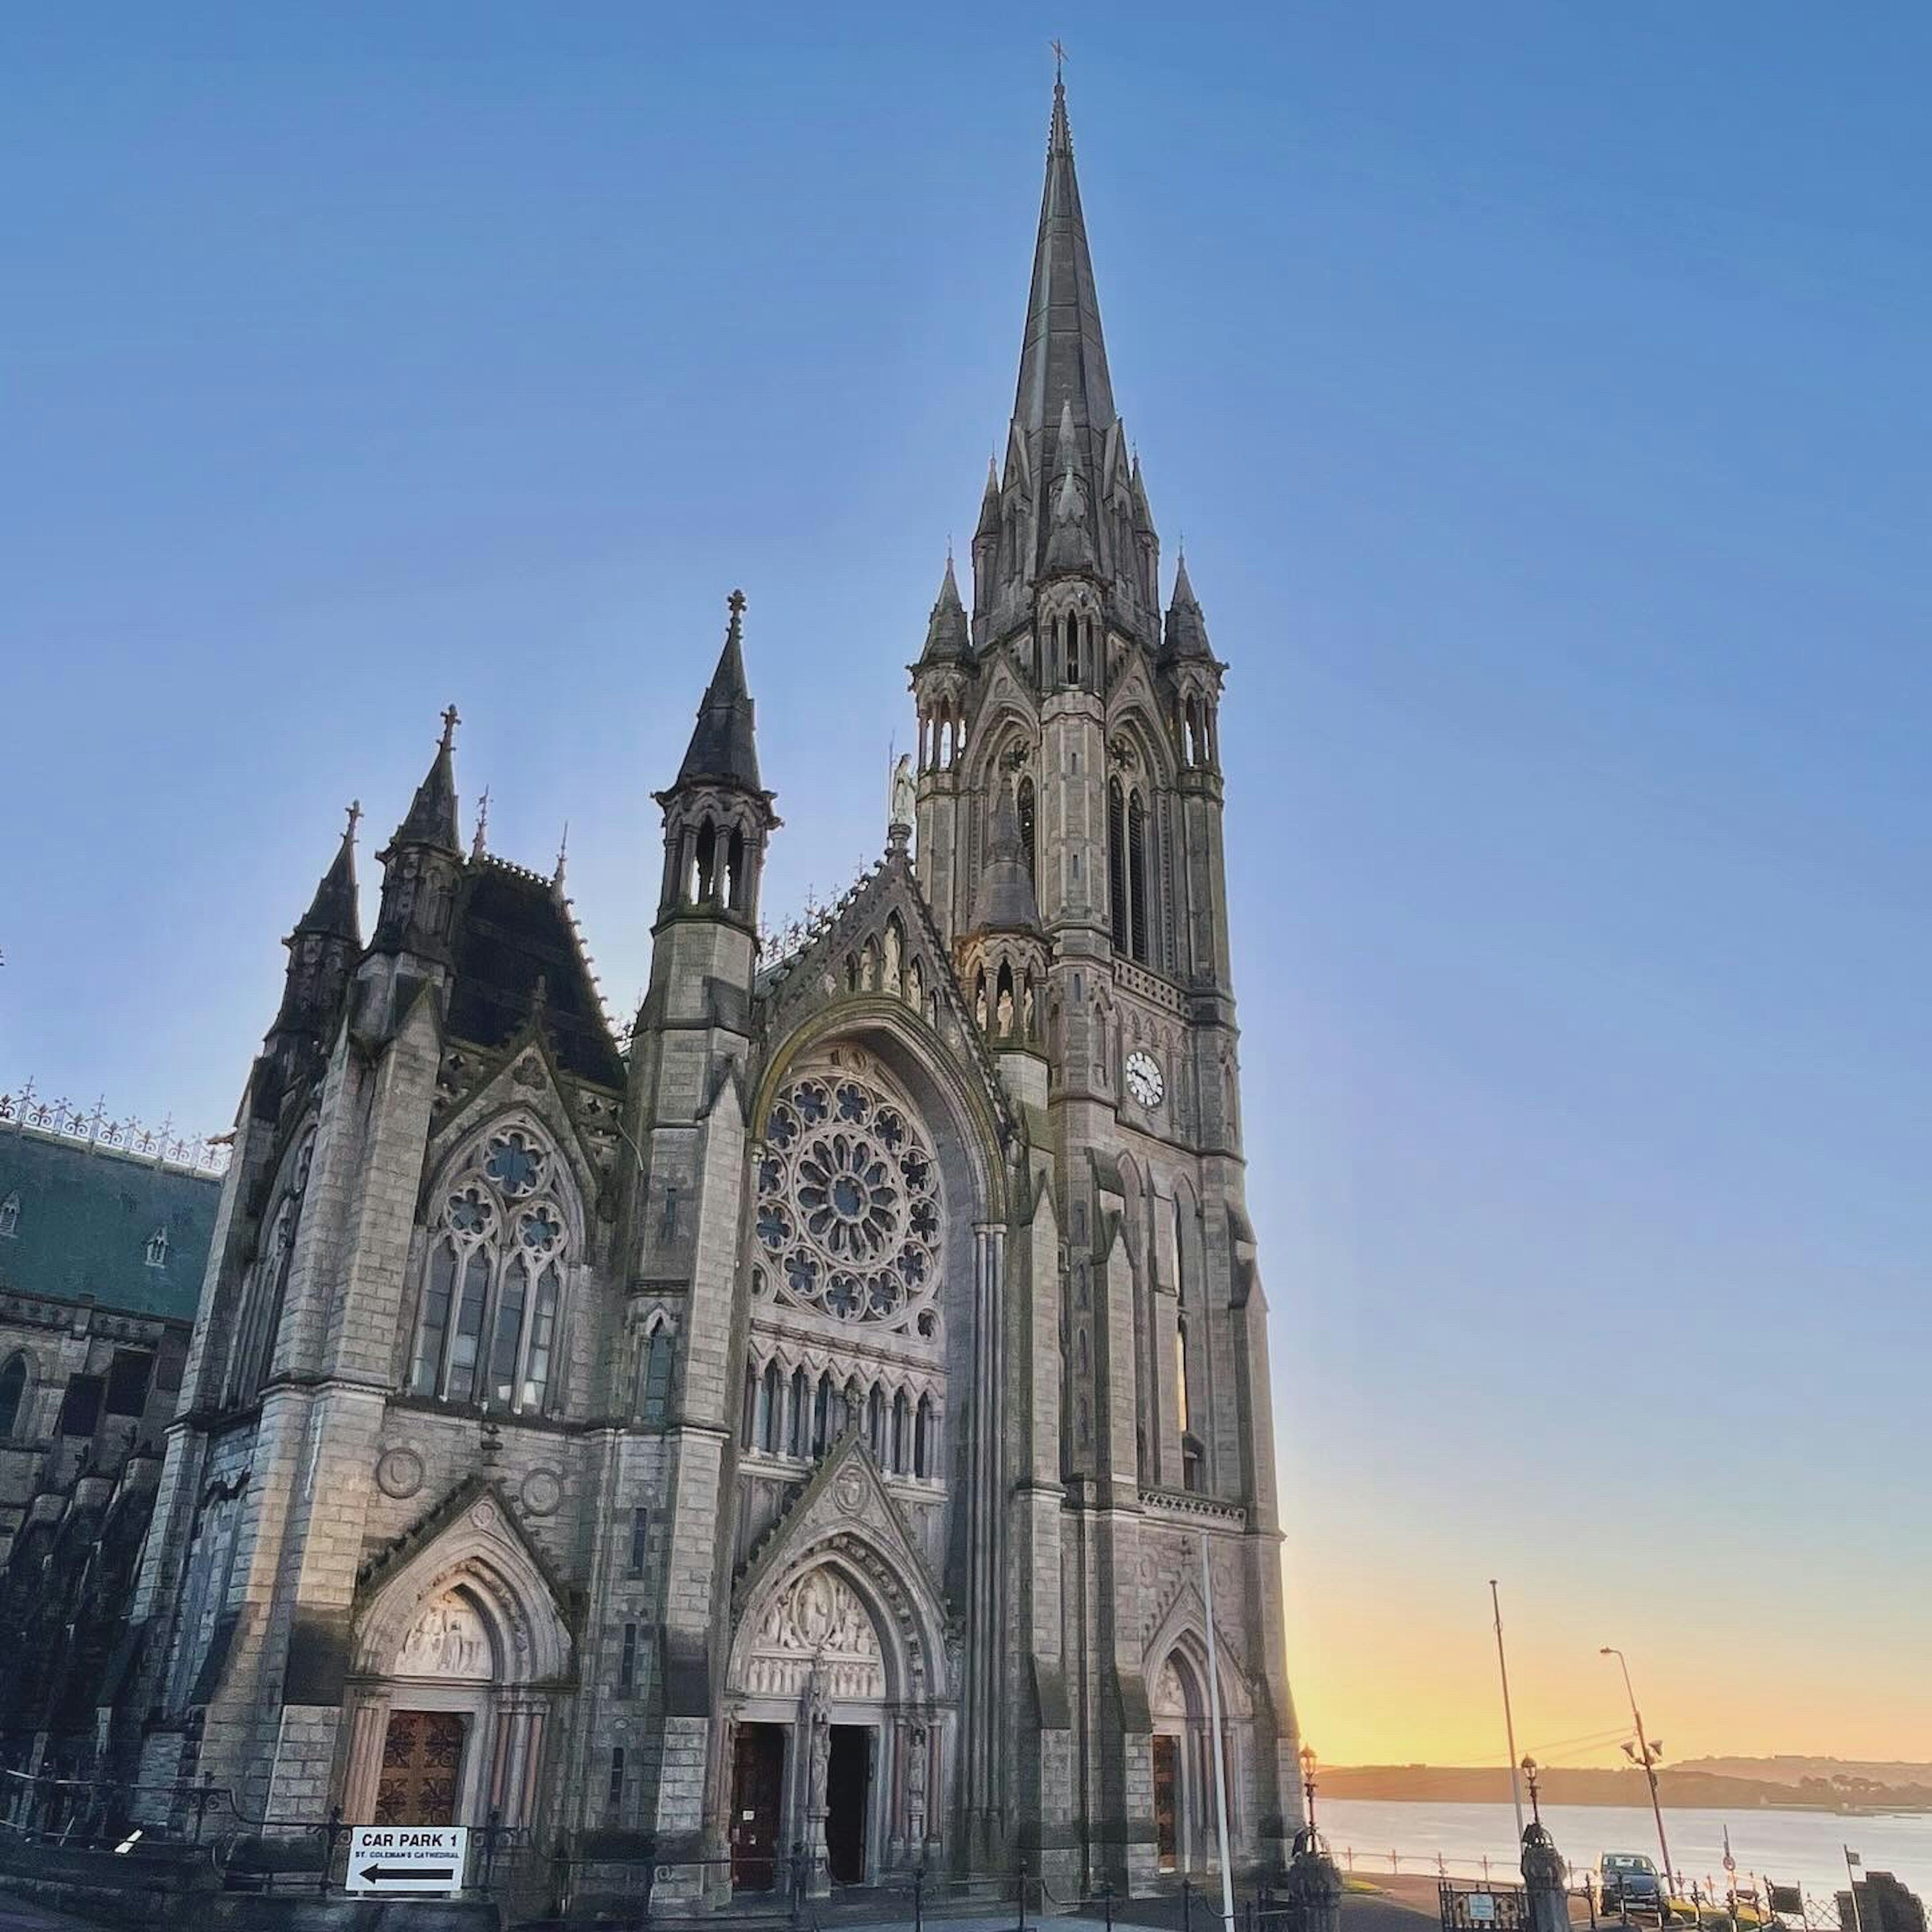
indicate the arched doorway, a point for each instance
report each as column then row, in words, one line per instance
column 1183, row 1794
column 449, row 1703
column 834, row 1742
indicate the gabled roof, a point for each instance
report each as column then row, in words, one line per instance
column 797, row 983
column 513, row 929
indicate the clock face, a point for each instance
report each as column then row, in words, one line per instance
column 1144, row 1080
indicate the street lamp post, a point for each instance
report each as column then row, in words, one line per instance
column 1308, row 1785
column 1647, row 1756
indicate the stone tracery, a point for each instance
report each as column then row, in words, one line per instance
column 849, row 1205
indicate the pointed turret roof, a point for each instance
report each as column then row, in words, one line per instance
column 1063, row 358
column 724, row 745
column 431, row 817
column 988, row 525
column 1003, row 900
column 332, row 912
column 1186, row 627
column 946, row 634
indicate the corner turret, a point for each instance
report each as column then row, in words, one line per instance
column 718, row 816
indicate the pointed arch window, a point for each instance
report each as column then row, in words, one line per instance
column 13, row 1394
column 1137, row 877
column 771, row 1411
column 654, row 1397
column 923, row 1446
column 1116, row 864
column 734, row 869
column 704, row 870
column 1029, row 843
column 264, row 1285
column 493, row 1284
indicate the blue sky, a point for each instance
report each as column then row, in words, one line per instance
column 1543, row 394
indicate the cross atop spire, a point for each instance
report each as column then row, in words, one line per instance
column 451, row 719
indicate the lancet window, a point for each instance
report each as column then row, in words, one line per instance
column 494, row 1281
column 265, row 1286
column 1129, row 898
column 13, row 1394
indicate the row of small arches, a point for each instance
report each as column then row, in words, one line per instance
column 797, row 1416
column 1200, row 731
column 942, row 737
column 706, row 866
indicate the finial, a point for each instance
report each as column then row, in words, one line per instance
column 1059, row 62
column 451, row 720
column 563, row 847
column 735, row 603
column 355, row 814
column 482, row 824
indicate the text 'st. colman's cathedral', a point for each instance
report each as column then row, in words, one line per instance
column 838, row 1419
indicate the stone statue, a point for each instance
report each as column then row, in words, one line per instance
column 818, row 1708
column 904, row 792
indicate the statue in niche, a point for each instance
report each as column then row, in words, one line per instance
column 905, row 794
column 1026, row 1012
column 891, row 973
column 1006, row 1013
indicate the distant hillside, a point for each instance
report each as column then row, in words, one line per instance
column 1840, row 1788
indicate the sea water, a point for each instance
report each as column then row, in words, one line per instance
column 1790, row 1847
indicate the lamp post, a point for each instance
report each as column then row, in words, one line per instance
column 1530, row 1770
column 1308, row 1784
column 1646, row 1755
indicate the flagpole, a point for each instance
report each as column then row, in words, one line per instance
column 1220, row 1755
column 1852, row 1859
column 1509, row 1722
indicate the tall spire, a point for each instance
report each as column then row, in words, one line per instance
column 724, row 747
column 431, row 817
column 332, row 911
column 1062, row 358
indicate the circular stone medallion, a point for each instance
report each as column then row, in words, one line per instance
column 541, row 1491
column 399, row 1472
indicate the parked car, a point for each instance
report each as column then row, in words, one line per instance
column 1627, row 1881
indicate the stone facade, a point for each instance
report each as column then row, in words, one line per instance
column 823, row 1422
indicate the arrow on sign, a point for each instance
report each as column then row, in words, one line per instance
column 409, row 1874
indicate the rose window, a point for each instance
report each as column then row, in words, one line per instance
column 848, row 1207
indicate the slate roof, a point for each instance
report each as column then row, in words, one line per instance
column 85, row 1217
column 513, row 928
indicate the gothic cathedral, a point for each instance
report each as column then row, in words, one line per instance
column 826, row 1432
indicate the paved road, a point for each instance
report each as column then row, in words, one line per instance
column 17, row 1915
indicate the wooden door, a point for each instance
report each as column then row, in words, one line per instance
column 1166, row 1801
column 757, row 1796
column 422, row 1760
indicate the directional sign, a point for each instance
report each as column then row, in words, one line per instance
column 407, row 1857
